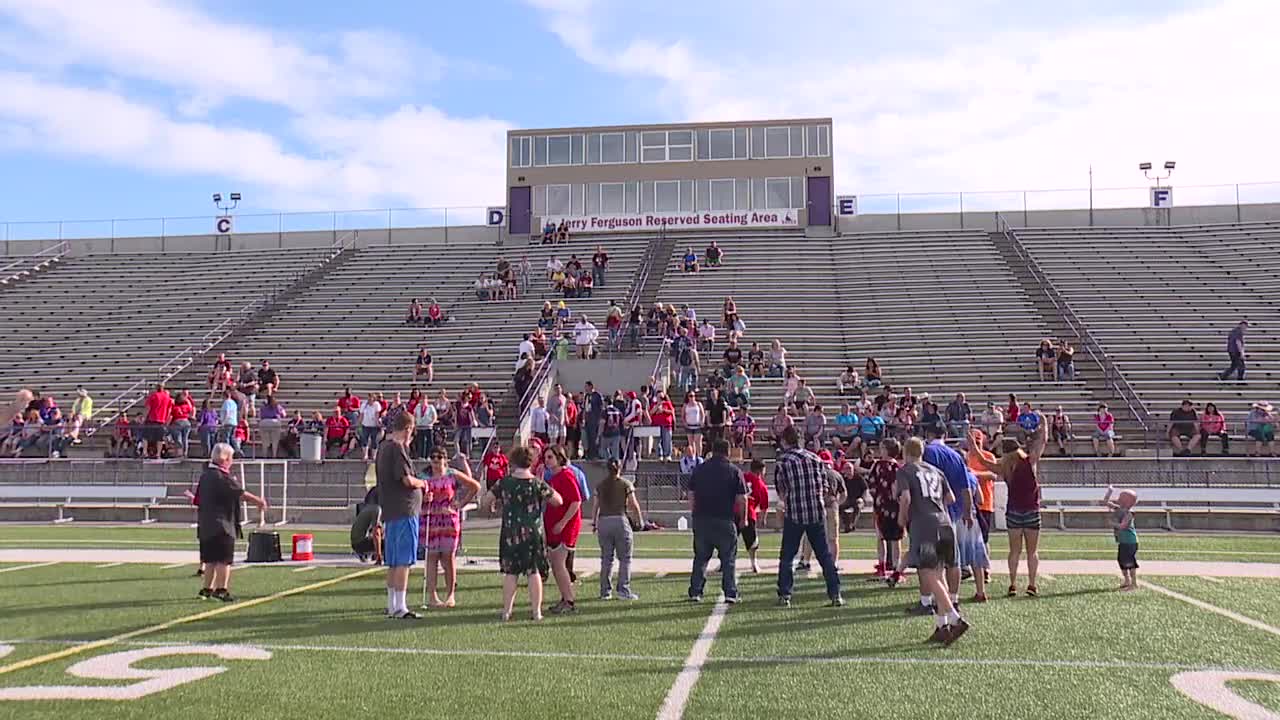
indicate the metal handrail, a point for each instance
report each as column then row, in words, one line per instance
column 1113, row 377
column 540, row 376
column 638, row 280
column 63, row 249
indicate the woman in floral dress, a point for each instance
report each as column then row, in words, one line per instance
column 523, row 496
column 441, row 525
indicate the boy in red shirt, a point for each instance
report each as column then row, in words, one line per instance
column 882, row 482
column 495, row 465
column 757, row 510
column 336, row 431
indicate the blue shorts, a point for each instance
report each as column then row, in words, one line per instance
column 402, row 542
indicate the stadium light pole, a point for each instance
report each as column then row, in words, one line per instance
column 234, row 200
column 1169, row 165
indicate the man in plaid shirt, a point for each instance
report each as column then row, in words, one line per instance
column 803, row 482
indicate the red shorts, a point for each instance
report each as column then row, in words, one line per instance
column 568, row 538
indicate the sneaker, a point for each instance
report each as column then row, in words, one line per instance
column 784, row 601
column 893, row 579
column 732, row 599
column 563, row 608
column 606, row 596
column 223, row 595
column 573, row 576
column 1013, row 591
column 966, row 573
column 1032, row 591
column 837, row 601
column 407, row 615
column 755, row 567
column 917, row 609
column 979, row 598
column 939, row 635
column 803, row 566
column 954, row 631
column 204, row 594
column 695, row 598
column 628, row 595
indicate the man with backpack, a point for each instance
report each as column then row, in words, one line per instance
column 611, row 433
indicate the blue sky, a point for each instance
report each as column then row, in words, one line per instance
column 145, row 107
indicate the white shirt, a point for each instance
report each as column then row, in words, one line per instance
column 708, row 332
column 425, row 415
column 584, row 333
column 554, row 265
column 526, row 348
column 693, row 415
column 369, row 413
column 538, row 420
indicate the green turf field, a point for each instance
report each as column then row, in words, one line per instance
column 1156, row 545
column 1080, row 651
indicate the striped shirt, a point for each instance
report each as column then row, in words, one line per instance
column 804, row 482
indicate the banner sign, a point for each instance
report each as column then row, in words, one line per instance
column 846, row 204
column 651, row 222
column 495, row 216
column 224, row 225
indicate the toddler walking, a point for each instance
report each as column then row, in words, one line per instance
column 1122, row 524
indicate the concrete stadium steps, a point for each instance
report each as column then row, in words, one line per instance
column 105, row 321
column 347, row 329
column 1161, row 301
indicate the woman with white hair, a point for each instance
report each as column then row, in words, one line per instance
column 218, row 497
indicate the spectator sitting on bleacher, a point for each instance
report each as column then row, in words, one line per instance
column 690, row 260
column 349, row 402
column 1066, row 361
column 548, row 233
column 435, row 314
column 482, row 288
column 803, row 395
column 930, row 424
column 732, row 357
column 271, row 425
column 52, row 426
column 790, row 385
column 268, row 380
column 1028, row 422
column 414, row 316
column 1104, row 430
column 570, row 285
column 1046, row 360
column 586, row 284
column 247, row 384
column 547, row 316
column 562, row 317
column 220, row 376
column 1060, row 430
column 815, row 428
column 123, row 443
column 729, row 319
column 755, row 361
column 871, row 374
column 780, row 421
column 707, row 336
column 848, row 381
column 992, row 424
column 653, row 321
column 908, row 398
column 525, row 350
column 739, row 388
column 846, row 426
column 1012, row 411
column 337, row 433
column 541, row 345
column 959, row 416
column 573, row 266
column 904, row 421
column 1183, row 433
column 553, row 266
column 562, row 232
column 1260, row 425
column 423, row 365
column 1212, row 424
column 81, row 412
column 584, row 337
column 714, row 255
column 870, row 430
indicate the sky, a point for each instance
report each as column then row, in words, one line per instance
column 143, row 108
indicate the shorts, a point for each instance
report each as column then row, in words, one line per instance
column 934, row 553
column 1127, row 556
column 986, row 518
column 694, row 429
column 218, row 550
column 889, row 528
column 1263, row 434
column 1061, row 434
column 1104, row 434
column 750, row 538
column 567, row 539
column 154, row 432
column 401, row 537
column 1029, row 520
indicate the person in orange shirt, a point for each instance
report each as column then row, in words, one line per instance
column 986, row 483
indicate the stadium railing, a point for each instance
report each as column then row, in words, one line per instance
column 1113, row 378
column 30, row 263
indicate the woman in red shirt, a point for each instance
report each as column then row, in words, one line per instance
column 572, row 430
column 180, row 422
column 562, row 524
column 495, row 465
column 663, row 415
column 1020, row 469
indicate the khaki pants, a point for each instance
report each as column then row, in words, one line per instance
column 831, row 518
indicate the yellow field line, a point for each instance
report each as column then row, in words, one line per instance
column 105, row 642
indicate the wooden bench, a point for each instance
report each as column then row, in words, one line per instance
column 143, row 497
column 1165, row 501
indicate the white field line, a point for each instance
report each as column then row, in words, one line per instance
column 1242, row 619
column 174, row 566
column 660, row 575
column 104, row 566
column 761, row 660
column 1212, row 579
column 305, row 568
column 29, row 566
column 678, row 696
column 1048, row 576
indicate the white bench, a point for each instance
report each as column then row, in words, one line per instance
column 1165, row 501
column 143, row 497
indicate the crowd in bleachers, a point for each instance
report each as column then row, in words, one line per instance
column 40, row 426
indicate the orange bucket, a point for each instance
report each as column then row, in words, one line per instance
column 302, row 547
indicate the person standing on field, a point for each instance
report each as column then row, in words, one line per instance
column 218, row 498
column 401, row 496
column 923, row 497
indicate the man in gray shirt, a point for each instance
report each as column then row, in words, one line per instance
column 400, row 494
column 923, row 497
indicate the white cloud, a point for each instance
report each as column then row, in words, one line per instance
column 989, row 109
column 323, row 158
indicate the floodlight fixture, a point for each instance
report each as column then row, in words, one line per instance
column 1169, row 164
column 235, row 196
column 1144, row 166
column 217, row 197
